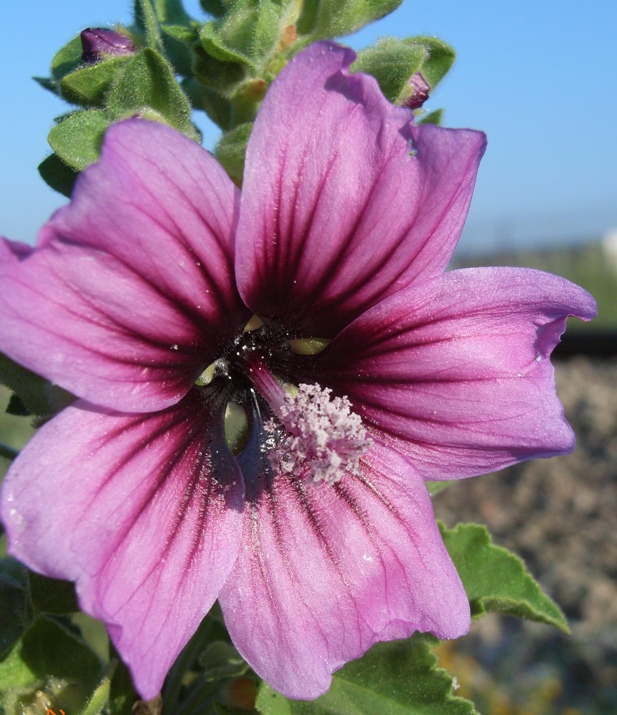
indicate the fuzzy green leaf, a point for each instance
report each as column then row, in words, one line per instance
column 15, row 613
column 48, row 653
column 52, row 595
column 148, row 87
column 58, row 175
column 89, row 85
column 38, row 395
column 496, row 580
column 392, row 62
column 396, row 678
column 77, row 139
column 434, row 117
column 67, row 59
column 333, row 18
column 231, row 151
column 439, row 58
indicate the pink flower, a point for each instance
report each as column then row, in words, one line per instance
column 367, row 371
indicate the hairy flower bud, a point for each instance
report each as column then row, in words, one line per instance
column 98, row 43
column 419, row 91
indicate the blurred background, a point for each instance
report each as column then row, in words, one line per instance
column 539, row 79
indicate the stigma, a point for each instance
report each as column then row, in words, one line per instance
column 316, row 436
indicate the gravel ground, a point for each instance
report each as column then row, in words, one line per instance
column 560, row 516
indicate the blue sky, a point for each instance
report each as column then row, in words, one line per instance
column 537, row 76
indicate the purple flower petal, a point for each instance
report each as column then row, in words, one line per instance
column 144, row 512
column 456, row 371
column 327, row 570
column 130, row 292
column 344, row 201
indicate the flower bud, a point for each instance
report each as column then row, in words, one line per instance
column 419, row 91
column 98, row 43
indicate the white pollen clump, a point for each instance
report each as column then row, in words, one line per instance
column 317, row 431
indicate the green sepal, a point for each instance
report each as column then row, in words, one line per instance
column 221, row 660
column 52, row 595
column 77, row 139
column 147, row 24
column 122, row 694
column 392, row 62
column 222, row 77
column 38, row 395
column 439, row 58
column 99, row 700
column 67, row 59
column 149, row 88
column 321, row 19
column 88, row 85
column 52, row 659
column 434, row 117
column 47, row 83
column 395, row 678
column 17, row 407
column 16, row 611
column 231, row 151
column 247, row 34
column 496, row 580
column 58, row 175
column 217, row 107
column 216, row 8
column 178, row 41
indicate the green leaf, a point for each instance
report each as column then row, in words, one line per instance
column 220, row 76
column 147, row 84
column 392, row 62
column 100, row 697
column 49, row 652
column 90, row 84
column 439, row 58
column 52, row 595
column 221, row 660
column 231, row 151
column 333, row 18
column 496, row 580
column 396, row 678
column 38, row 395
column 435, row 117
column 148, row 22
column 15, row 613
column 217, row 107
column 216, row 8
column 77, row 139
column 67, row 59
column 58, row 175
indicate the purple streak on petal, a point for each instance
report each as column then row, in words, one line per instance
column 144, row 512
column 338, row 208
column 456, row 371
column 325, row 571
column 130, row 292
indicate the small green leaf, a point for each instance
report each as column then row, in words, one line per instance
column 148, row 83
column 391, row 62
column 221, row 660
column 48, row 650
column 223, row 77
column 38, row 395
column 147, row 21
column 231, row 151
column 90, row 84
column 15, row 614
column 77, row 139
column 496, row 580
column 58, row 175
column 396, row 678
column 439, row 58
column 217, row 107
column 216, row 8
column 435, row 117
column 100, row 697
column 52, row 595
column 67, row 59
column 333, row 18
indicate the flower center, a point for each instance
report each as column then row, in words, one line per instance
column 303, row 429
